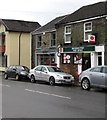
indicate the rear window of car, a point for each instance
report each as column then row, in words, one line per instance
column 38, row 68
column 54, row 69
column 104, row 70
column 96, row 69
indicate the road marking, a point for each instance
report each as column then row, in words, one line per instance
column 5, row 85
column 55, row 95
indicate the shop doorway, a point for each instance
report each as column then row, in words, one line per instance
column 86, row 61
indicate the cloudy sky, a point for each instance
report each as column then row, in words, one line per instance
column 41, row 11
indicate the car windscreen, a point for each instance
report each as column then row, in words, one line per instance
column 26, row 68
column 54, row 69
column 23, row 68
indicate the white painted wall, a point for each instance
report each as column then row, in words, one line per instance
column 94, row 55
column 57, row 60
column 94, row 60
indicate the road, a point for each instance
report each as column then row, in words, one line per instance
column 22, row 99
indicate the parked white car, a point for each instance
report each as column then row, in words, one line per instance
column 51, row 74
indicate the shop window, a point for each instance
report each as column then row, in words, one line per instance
column 67, row 34
column 77, row 59
column 87, row 30
column 53, row 39
column 46, row 59
column 66, row 58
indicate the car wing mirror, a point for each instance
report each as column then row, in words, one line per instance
column 45, row 71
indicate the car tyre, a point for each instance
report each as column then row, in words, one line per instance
column 32, row 79
column 52, row 81
column 5, row 76
column 85, row 84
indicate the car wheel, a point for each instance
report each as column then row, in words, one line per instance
column 52, row 81
column 17, row 77
column 85, row 84
column 32, row 79
column 5, row 76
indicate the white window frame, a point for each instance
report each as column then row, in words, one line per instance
column 87, row 31
column 65, row 34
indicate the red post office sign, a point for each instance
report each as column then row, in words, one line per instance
column 91, row 39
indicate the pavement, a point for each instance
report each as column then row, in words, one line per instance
column 1, row 73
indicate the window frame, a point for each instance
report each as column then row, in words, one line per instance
column 87, row 31
column 67, row 33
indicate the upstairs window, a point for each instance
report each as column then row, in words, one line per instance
column 67, row 34
column 38, row 41
column 53, row 39
column 2, row 39
column 87, row 30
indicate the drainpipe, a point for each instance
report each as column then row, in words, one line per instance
column 19, row 45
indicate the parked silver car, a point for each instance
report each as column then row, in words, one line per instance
column 94, row 77
column 50, row 74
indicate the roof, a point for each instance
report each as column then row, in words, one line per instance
column 19, row 25
column 49, row 26
column 85, row 12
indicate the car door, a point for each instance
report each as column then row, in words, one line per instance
column 97, row 77
column 44, row 74
column 37, row 73
column 9, row 71
column 13, row 71
column 104, row 70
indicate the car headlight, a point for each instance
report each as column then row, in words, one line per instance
column 23, row 73
column 59, row 77
column 72, row 77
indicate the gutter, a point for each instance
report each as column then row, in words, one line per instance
column 19, row 46
column 104, row 16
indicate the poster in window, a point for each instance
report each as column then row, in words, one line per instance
column 77, row 59
column 66, row 59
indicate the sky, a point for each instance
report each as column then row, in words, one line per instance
column 41, row 11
